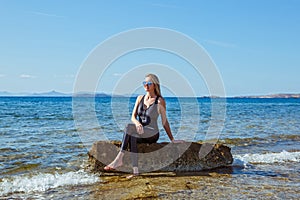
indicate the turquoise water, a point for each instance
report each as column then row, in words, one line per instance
column 42, row 148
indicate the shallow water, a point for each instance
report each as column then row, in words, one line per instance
column 43, row 152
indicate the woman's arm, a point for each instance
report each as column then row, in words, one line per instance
column 164, row 119
column 138, row 125
column 165, row 123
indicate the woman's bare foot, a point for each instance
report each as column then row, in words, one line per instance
column 135, row 173
column 118, row 162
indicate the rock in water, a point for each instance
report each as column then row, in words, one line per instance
column 166, row 157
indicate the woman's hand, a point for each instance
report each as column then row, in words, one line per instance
column 178, row 141
column 139, row 128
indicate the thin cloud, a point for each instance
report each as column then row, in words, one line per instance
column 2, row 75
column 117, row 74
column 27, row 76
column 221, row 44
column 46, row 14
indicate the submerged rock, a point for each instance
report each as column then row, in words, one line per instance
column 165, row 157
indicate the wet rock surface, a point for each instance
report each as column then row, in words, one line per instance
column 157, row 185
column 162, row 157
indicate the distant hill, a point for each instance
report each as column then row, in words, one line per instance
column 4, row 93
column 54, row 93
column 44, row 94
column 269, row 96
column 88, row 94
column 51, row 94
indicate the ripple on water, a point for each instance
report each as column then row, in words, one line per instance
column 21, row 168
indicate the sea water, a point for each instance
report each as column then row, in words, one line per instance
column 43, row 150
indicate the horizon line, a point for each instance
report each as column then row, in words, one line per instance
column 55, row 93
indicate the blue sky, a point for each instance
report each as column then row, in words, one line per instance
column 254, row 43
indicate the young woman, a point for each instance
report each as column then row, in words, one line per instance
column 144, row 129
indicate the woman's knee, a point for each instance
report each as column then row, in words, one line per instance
column 130, row 129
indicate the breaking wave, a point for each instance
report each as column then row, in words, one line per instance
column 268, row 158
column 43, row 181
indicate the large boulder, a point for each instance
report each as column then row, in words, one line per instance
column 179, row 157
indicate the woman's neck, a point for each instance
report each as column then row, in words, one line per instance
column 151, row 94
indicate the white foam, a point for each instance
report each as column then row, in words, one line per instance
column 269, row 158
column 43, row 182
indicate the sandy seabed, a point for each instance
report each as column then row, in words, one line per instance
column 210, row 185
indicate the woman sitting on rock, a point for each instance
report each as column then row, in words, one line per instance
column 144, row 130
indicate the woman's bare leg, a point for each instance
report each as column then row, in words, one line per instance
column 135, row 173
column 118, row 162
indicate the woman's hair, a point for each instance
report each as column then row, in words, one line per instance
column 155, row 80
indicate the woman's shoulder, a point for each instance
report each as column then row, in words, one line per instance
column 161, row 100
column 139, row 98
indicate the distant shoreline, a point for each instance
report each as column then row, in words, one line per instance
column 59, row 94
column 272, row 96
